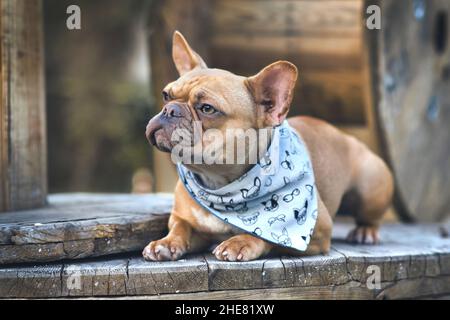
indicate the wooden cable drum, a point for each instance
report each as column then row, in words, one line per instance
column 411, row 70
column 392, row 84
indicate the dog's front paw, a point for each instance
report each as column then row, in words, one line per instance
column 364, row 235
column 168, row 248
column 240, row 248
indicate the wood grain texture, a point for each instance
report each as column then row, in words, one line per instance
column 412, row 106
column 414, row 262
column 297, row 17
column 81, row 225
column 23, row 167
column 185, row 275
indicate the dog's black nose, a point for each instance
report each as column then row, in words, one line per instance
column 172, row 110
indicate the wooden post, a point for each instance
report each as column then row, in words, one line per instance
column 23, row 163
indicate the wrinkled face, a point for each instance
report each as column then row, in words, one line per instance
column 212, row 99
column 214, row 115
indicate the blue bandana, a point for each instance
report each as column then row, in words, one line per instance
column 276, row 200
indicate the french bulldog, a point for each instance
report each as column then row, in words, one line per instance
column 344, row 168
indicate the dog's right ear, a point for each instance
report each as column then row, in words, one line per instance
column 272, row 89
column 184, row 57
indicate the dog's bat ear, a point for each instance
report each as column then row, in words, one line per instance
column 184, row 57
column 273, row 89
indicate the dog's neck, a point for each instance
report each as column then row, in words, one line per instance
column 216, row 176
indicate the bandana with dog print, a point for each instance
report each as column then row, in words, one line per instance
column 276, row 200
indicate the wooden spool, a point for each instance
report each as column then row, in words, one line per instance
column 411, row 72
column 23, row 166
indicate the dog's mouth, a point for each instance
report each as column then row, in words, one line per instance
column 151, row 137
column 156, row 136
column 159, row 140
column 160, row 129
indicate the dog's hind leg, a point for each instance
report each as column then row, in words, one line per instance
column 373, row 187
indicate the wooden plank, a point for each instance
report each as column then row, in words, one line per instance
column 276, row 272
column 341, row 18
column 111, row 277
column 317, row 270
column 245, row 275
column 23, row 166
column 97, row 278
column 431, row 288
column 32, row 282
column 80, row 206
column 414, row 261
column 82, row 225
column 342, row 292
column 309, row 53
column 417, row 288
column 155, row 278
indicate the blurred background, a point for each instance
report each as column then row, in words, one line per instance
column 389, row 87
column 98, row 95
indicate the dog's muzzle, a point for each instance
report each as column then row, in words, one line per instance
column 166, row 121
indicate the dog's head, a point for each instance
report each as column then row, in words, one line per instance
column 216, row 100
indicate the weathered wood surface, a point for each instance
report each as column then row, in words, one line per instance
column 411, row 62
column 414, row 262
column 83, row 225
column 23, row 166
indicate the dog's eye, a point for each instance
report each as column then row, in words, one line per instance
column 166, row 96
column 207, row 109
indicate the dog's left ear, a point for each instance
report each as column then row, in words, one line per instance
column 184, row 57
column 272, row 89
